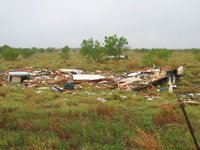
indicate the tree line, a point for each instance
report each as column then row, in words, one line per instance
column 92, row 49
column 11, row 53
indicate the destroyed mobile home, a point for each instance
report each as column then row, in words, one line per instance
column 137, row 79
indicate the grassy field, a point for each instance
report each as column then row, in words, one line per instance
column 77, row 120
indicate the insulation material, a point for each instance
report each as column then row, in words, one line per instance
column 88, row 77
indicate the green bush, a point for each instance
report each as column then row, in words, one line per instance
column 27, row 52
column 195, row 51
column 50, row 49
column 65, row 52
column 197, row 54
column 157, row 55
column 41, row 50
column 10, row 54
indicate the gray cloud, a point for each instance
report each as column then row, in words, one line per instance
column 56, row 23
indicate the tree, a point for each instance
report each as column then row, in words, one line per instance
column 50, row 49
column 195, row 51
column 41, row 50
column 34, row 49
column 27, row 52
column 92, row 49
column 65, row 49
column 10, row 53
column 3, row 48
column 157, row 55
column 65, row 52
column 115, row 46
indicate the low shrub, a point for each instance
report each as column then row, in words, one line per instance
column 195, row 72
column 167, row 116
column 104, row 109
column 174, row 65
column 131, row 65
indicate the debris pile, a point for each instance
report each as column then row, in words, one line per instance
column 137, row 79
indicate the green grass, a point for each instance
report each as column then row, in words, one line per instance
column 53, row 120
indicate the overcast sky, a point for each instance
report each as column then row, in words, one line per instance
column 56, row 23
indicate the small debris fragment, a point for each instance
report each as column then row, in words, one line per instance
column 101, row 99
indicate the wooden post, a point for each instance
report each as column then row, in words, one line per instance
column 188, row 122
column 118, row 85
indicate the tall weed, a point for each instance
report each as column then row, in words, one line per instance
column 146, row 141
